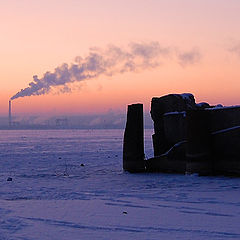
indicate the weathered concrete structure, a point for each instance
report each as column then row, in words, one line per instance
column 133, row 144
column 172, row 103
column 198, row 149
column 189, row 137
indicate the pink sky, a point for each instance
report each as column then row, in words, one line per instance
column 38, row 36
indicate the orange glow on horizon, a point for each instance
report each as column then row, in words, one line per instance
column 38, row 36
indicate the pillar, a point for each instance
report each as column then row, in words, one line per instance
column 133, row 143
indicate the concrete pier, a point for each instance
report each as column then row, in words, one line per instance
column 198, row 150
column 170, row 103
column 133, row 144
column 188, row 137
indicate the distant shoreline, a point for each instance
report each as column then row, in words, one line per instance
column 66, row 128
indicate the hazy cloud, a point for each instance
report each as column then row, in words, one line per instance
column 111, row 119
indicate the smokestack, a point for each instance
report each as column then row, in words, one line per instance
column 10, row 113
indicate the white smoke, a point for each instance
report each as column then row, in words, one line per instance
column 235, row 49
column 189, row 57
column 109, row 61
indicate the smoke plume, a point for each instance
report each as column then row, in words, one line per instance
column 189, row 57
column 109, row 61
column 235, row 49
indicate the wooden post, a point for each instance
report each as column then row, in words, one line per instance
column 133, row 144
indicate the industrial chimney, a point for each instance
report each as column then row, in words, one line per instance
column 10, row 113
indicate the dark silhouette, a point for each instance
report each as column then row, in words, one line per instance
column 133, row 144
column 188, row 137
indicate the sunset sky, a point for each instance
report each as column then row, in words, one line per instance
column 201, row 37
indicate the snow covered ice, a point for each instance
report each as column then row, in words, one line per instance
column 52, row 196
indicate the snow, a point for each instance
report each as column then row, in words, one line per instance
column 202, row 104
column 173, row 147
column 187, row 96
column 219, row 107
column 226, row 130
column 53, row 197
column 173, row 113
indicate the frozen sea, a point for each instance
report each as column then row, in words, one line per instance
column 53, row 196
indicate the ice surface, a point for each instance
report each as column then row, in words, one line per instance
column 53, row 197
